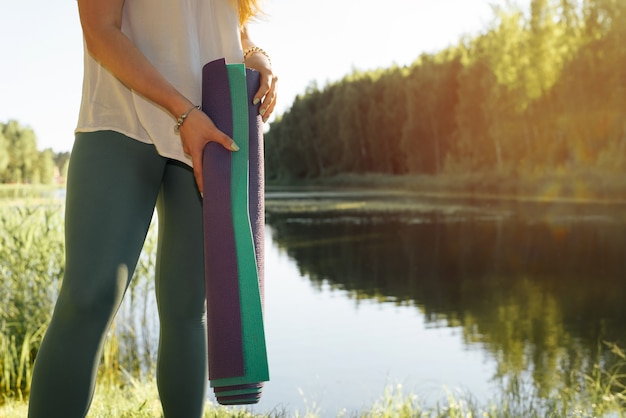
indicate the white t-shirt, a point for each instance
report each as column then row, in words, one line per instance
column 178, row 37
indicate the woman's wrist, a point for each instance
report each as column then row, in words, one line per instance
column 177, row 104
column 256, row 50
column 183, row 116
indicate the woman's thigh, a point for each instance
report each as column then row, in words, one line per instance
column 113, row 183
column 180, row 258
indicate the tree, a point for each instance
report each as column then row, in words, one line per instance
column 22, row 150
column 538, row 91
column 46, row 168
column 21, row 162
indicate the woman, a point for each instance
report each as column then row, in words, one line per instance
column 143, row 63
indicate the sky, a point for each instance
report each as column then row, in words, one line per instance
column 41, row 49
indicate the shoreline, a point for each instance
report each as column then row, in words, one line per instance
column 603, row 189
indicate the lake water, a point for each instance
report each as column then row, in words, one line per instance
column 367, row 291
column 330, row 350
column 436, row 295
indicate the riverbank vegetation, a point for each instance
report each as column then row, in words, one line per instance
column 584, row 186
column 31, row 268
column 536, row 98
column 140, row 400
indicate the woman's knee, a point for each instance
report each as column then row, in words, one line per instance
column 93, row 295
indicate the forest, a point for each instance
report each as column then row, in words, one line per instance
column 539, row 92
column 22, row 163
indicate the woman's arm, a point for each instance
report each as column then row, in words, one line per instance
column 101, row 21
column 260, row 62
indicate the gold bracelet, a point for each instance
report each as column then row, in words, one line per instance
column 254, row 49
column 181, row 119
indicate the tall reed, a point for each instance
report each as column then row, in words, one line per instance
column 31, row 265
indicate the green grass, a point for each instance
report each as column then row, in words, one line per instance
column 137, row 399
column 140, row 400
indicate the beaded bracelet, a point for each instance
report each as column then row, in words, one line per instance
column 254, row 49
column 181, row 119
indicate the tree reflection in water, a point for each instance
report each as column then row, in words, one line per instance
column 539, row 291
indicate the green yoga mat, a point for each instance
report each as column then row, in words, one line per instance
column 233, row 226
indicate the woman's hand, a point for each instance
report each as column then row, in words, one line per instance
column 266, row 95
column 197, row 131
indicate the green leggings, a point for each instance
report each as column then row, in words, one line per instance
column 113, row 185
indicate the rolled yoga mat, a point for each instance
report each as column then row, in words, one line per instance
column 233, row 211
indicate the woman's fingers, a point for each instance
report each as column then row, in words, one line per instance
column 197, row 131
column 267, row 95
column 268, row 105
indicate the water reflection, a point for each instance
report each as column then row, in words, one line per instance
column 539, row 288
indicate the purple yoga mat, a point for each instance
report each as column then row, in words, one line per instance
column 234, row 251
column 224, row 317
